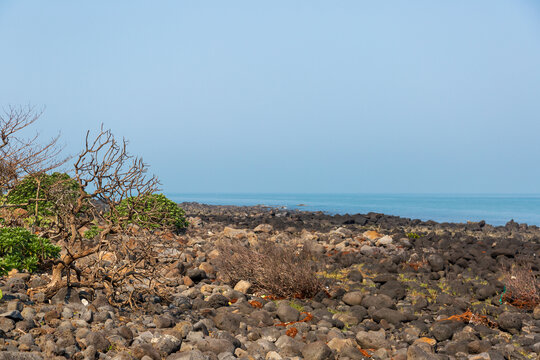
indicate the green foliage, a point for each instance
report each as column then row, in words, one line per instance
column 296, row 306
column 25, row 193
column 413, row 235
column 152, row 211
column 92, row 232
column 22, row 250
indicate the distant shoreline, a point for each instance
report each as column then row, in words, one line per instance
column 317, row 220
column 496, row 210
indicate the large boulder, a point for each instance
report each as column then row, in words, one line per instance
column 372, row 339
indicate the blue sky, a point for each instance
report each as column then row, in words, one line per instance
column 291, row 96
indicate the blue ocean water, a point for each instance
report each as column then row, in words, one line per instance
column 494, row 209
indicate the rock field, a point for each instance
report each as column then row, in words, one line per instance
column 394, row 288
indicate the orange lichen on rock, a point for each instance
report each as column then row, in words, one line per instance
column 469, row 317
column 372, row 235
column 415, row 265
column 363, row 352
column 255, row 304
column 340, row 253
column 305, row 319
column 291, row 332
column 426, row 340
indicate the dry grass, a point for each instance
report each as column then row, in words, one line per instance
column 522, row 286
column 273, row 269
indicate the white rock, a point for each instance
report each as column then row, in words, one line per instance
column 372, row 339
column 243, row 286
column 232, row 233
column 367, row 250
column 481, row 356
column 385, row 240
column 272, row 355
column 264, row 228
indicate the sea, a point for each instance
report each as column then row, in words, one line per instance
column 494, row 209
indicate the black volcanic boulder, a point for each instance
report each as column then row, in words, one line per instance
column 196, row 274
column 436, row 262
column 226, row 320
column 510, row 322
column 443, row 330
column 394, row 289
column 378, row 301
column 486, row 291
column 217, row 300
column 394, row 317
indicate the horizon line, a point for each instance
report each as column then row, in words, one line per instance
column 350, row 193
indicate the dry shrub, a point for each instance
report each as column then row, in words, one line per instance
column 130, row 269
column 281, row 270
column 522, row 287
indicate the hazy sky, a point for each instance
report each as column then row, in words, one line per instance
column 290, row 96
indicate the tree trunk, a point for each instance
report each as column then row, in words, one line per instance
column 56, row 282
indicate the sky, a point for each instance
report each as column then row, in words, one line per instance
column 290, row 96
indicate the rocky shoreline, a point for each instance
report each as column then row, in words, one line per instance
column 395, row 289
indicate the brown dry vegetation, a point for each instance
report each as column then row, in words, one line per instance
column 522, row 286
column 281, row 270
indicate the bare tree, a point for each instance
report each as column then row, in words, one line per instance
column 20, row 157
column 106, row 174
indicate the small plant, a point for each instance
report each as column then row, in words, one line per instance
column 274, row 269
column 413, row 235
column 339, row 275
column 22, row 250
column 296, row 306
column 151, row 212
column 92, row 232
column 522, row 288
column 334, row 311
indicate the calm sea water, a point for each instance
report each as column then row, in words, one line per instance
column 494, row 209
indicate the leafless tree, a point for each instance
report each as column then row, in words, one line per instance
column 106, row 174
column 20, row 157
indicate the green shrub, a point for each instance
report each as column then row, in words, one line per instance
column 413, row 235
column 22, row 250
column 92, row 232
column 51, row 185
column 152, row 212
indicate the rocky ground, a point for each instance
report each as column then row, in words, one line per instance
column 396, row 289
